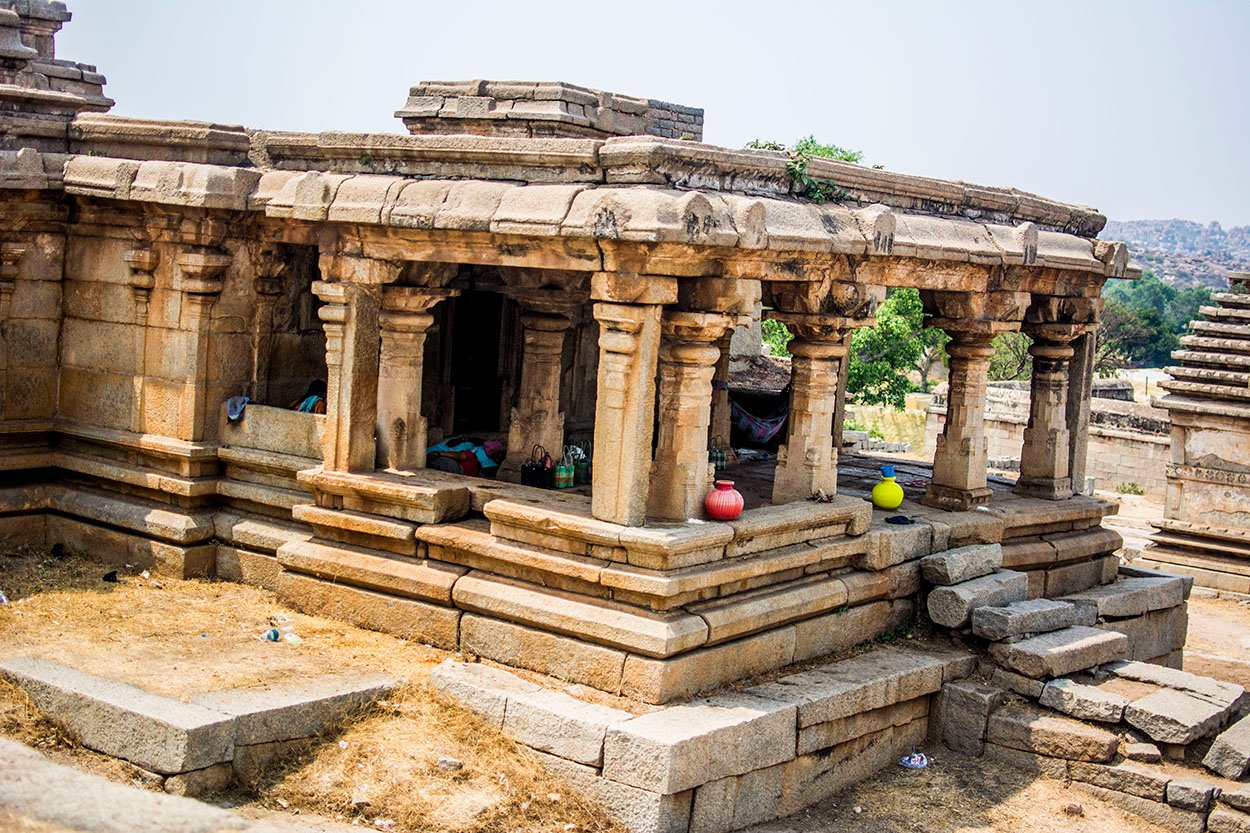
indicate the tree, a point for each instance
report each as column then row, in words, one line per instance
column 1011, row 360
column 883, row 357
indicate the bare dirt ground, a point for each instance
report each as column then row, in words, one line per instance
column 958, row 794
column 180, row 638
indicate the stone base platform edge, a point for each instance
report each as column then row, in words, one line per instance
column 198, row 747
column 727, row 761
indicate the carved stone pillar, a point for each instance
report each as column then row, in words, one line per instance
column 1080, row 389
column 199, row 278
column 404, row 321
column 680, row 471
column 1046, row 455
column 10, row 254
column 350, row 316
column 537, row 419
column 722, row 420
column 268, row 286
column 629, row 340
column 808, row 462
column 960, row 461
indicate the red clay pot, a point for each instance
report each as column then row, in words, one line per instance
column 724, row 503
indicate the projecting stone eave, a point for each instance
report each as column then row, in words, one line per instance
column 633, row 160
column 772, row 227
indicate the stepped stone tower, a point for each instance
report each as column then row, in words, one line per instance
column 1205, row 531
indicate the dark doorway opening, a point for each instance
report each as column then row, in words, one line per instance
column 476, row 366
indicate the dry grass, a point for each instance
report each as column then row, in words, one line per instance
column 179, row 638
column 385, row 766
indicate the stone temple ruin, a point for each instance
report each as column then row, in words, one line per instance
column 547, row 264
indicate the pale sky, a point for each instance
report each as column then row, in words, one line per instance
column 1138, row 108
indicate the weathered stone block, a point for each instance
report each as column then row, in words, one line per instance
column 1029, row 730
column 156, row 733
column 1191, row 794
column 834, row 632
column 1027, row 761
column 1131, row 778
column 858, row 684
column 405, row 618
column 952, row 606
column 546, row 653
column 1083, row 702
column 660, row 681
column 835, row 732
column 1223, row 820
column 1153, row 635
column 207, row 781
column 1032, row 616
column 1011, row 681
column 554, row 722
column 1170, row 716
column 1061, row 652
column 811, row 778
column 1205, row 688
column 961, row 564
column 1166, row 817
column 740, row 801
column 963, row 709
column 635, row 809
column 1131, row 596
column 296, row 710
column 1230, row 754
column 681, row 747
column 479, row 688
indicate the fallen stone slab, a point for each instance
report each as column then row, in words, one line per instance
column 1030, row 617
column 1029, row 730
column 1238, row 799
column 1020, row 684
column 961, row 564
column 1170, row 716
column 290, row 711
column 681, row 747
column 1083, row 702
column 1132, row 571
column 1230, row 754
column 554, row 722
column 1128, row 777
column 157, row 733
column 952, row 606
column 1216, row 691
column 1223, row 820
column 1192, row 794
column 1060, row 653
column 1129, row 597
column 1146, row 753
column 481, row 689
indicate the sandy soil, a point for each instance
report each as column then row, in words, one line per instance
column 1219, row 639
column 958, row 794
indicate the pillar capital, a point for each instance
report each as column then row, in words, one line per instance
column 633, row 288
column 200, row 272
column 356, row 269
column 695, row 327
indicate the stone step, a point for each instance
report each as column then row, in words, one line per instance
column 1229, row 314
column 1210, row 346
column 1230, row 754
column 1210, row 375
column 961, row 564
column 1083, row 702
column 952, row 606
column 1220, row 329
column 1129, row 597
column 1177, row 717
column 1216, row 691
column 1027, row 618
column 1062, row 652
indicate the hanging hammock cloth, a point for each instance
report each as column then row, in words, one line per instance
column 759, row 429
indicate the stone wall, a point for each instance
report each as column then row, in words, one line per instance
column 1129, row 442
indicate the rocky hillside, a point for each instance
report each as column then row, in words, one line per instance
column 1185, row 253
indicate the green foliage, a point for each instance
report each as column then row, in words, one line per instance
column 1130, row 489
column 776, row 336
column 883, row 357
column 1142, row 320
column 813, row 188
column 1011, row 360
